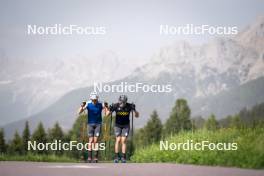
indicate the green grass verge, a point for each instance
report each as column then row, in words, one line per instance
column 250, row 152
column 37, row 158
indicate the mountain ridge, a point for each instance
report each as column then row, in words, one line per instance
column 196, row 73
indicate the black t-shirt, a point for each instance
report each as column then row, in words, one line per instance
column 122, row 113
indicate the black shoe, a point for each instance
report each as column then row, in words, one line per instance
column 123, row 160
column 95, row 160
column 89, row 160
column 116, row 160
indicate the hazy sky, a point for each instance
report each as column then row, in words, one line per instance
column 132, row 26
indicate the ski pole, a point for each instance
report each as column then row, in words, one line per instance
column 82, row 130
column 110, row 124
column 105, row 129
column 110, row 129
column 132, row 133
column 132, row 124
column 82, row 137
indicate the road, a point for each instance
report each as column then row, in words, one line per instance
column 110, row 169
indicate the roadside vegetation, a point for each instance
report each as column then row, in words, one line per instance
column 245, row 128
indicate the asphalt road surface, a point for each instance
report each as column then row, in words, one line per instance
column 111, row 169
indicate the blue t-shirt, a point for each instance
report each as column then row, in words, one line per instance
column 94, row 112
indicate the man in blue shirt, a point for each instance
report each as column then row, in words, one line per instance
column 94, row 111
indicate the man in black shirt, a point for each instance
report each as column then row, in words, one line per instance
column 122, row 124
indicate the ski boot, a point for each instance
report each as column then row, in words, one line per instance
column 123, row 160
column 116, row 160
column 95, row 160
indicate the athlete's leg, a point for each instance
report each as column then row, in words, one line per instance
column 95, row 140
column 90, row 141
column 95, row 146
column 123, row 142
column 118, row 132
column 118, row 139
column 124, row 134
column 90, row 136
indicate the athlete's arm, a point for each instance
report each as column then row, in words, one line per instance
column 106, row 109
column 133, row 107
column 83, row 107
column 107, row 112
column 110, row 109
column 136, row 114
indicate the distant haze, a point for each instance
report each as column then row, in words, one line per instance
column 37, row 70
column 132, row 26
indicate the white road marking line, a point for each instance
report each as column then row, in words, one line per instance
column 71, row 167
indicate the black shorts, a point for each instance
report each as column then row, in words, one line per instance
column 94, row 130
column 122, row 131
